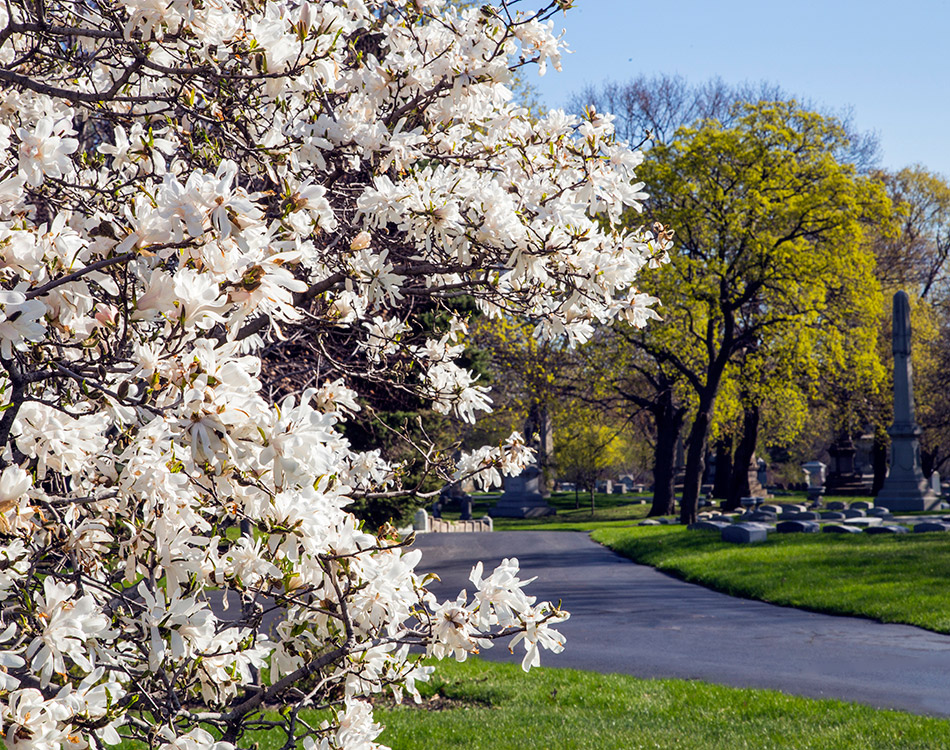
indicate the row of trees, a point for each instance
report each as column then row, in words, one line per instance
column 774, row 333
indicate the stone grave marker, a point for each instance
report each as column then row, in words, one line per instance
column 708, row 525
column 797, row 527
column 886, row 529
column 805, row 515
column 865, row 523
column 840, row 528
column 522, row 497
column 932, row 526
column 744, row 533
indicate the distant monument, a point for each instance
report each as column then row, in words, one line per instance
column 844, row 478
column 522, row 497
column 905, row 487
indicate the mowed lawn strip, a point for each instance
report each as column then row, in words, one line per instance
column 903, row 578
column 609, row 510
column 482, row 706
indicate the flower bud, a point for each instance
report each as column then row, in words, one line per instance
column 360, row 241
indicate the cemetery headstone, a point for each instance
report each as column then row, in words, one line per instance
column 840, row 528
column 420, row 521
column 522, row 497
column 865, row 523
column 762, row 516
column 905, row 487
column 932, row 526
column 805, row 515
column 797, row 527
column 708, row 525
column 886, row 529
column 744, row 533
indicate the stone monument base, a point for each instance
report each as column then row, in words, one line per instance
column 522, row 497
column 912, row 497
column 846, row 484
column 521, row 507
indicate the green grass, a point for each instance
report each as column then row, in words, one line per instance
column 903, row 578
column 609, row 510
column 482, row 706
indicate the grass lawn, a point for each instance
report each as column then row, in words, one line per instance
column 903, row 578
column 609, row 510
column 482, row 706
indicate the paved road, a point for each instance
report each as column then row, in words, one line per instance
column 631, row 619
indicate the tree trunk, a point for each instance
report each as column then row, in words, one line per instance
column 696, row 451
column 723, row 468
column 879, row 461
column 928, row 461
column 739, row 485
column 695, row 454
column 669, row 423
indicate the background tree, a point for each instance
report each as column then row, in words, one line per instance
column 530, row 378
column 589, row 446
column 770, row 224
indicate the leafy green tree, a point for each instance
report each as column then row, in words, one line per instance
column 530, row 379
column 589, row 445
column 770, row 254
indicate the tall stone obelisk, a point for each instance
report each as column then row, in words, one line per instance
column 905, row 487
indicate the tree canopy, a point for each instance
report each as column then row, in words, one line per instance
column 771, row 262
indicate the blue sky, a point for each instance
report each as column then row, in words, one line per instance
column 888, row 62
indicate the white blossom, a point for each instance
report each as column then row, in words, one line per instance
column 218, row 253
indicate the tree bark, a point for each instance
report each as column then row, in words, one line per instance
column 739, row 484
column 695, row 463
column 723, row 468
column 696, row 447
column 669, row 423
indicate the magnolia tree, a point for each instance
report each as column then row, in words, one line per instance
column 183, row 184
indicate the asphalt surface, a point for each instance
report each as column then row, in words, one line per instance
column 631, row 619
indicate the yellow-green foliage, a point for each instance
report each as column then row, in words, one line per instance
column 588, row 442
column 771, row 272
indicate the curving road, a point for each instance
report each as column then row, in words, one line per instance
column 632, row 619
